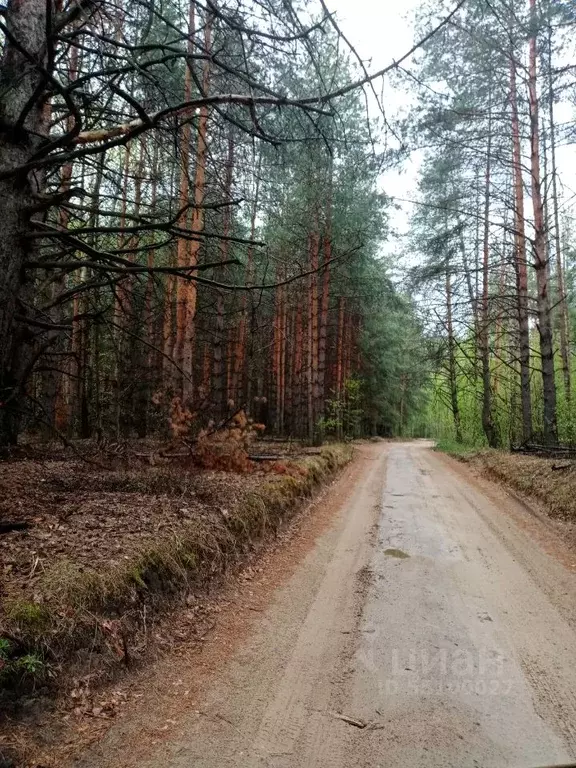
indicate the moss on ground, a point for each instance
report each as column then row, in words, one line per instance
column 28, row 616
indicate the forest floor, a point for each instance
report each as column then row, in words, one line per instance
column 119, row 562
column 417, row 614
column 414, row 608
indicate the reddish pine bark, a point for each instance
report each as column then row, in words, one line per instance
column 323, row 328
column 218, row 376
column 298, row 378
column 289, row 422
column 276, row 351
column 183, row 253
column 340, row 347
column 283, row 357
column 185, row 324
column 347, row 352
column 312, row 377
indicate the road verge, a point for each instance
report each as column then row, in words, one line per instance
column 68, row 617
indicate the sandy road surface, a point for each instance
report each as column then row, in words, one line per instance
column 426, row 627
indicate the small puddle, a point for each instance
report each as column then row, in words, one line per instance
column 396, row 553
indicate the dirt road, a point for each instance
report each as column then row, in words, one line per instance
column 431, row 624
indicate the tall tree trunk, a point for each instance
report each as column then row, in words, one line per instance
column 472, row 296
column 520, row 263
column 276, row 354
column 487, row 420
column 151, row 357
column 310, row 337
column 289, row 369
column 197, row 222
column 540, row 249
column 239, row 375
column 120, row 316
column 183, row 253
column 313, row 336
column 499, row 328
column 24, row 127
column 169, row 331
column 323, row 329
column 219, row 389
column 340, row 361
column 562, row 305
column 297, row 378
column 120, row 304
column 57, row 379
column 452, row 371
column 94, row 387
column 348, row 342
column 130, row 415
column 282, row 359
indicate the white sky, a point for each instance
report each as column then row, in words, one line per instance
column 377, row 28
column 381, row 31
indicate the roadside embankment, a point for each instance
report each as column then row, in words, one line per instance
column 106, row 553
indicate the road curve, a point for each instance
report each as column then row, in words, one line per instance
column 426, row 627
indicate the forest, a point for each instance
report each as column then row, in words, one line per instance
column 192, row 223
column 494, row 223
column 244, row 246
column 196, row 223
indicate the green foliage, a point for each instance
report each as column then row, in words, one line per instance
column 394, row 372
column 5, row 649
column 447, row 445
column 467, row 273
column 385, row 327
column 32, row 665
column 27, row 669
column 345, row 414
column 437, row 421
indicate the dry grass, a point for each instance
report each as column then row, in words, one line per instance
column 551, row 482
column 89, row 608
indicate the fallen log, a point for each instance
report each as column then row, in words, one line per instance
column 270, row 457
column 545, row 450
column 15, row 526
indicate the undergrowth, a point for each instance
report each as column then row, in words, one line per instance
column 79, row 613
column 18, row 669
column 454, row 448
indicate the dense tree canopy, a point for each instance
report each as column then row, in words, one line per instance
column 492, row 222
column 194, row 222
